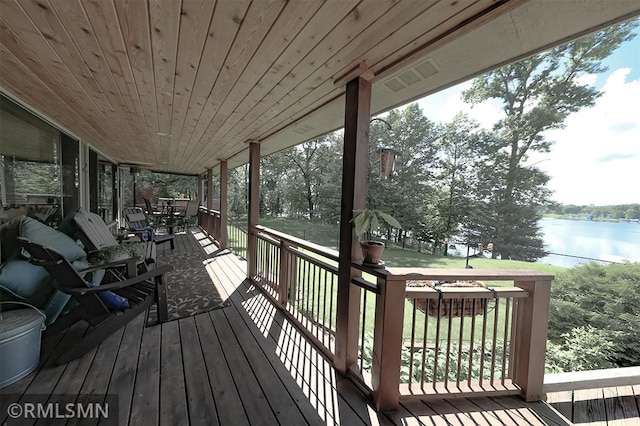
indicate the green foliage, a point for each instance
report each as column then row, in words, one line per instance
column 411, row 364
column 155, row 185
column 32, row 177
column 608, row 212
column 135, row 249
column 537, row 94
column 582, row 349
column 606, row 298
column 367, row 221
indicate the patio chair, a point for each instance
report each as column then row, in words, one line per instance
column 190, row 214
column 106, row 307
column 156, row 218
column 95, row 235
column 46, row 215
column 139, row 224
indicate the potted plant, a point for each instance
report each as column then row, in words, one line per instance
column 120, row 252
column 365, row 222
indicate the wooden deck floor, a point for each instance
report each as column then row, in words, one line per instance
column 240, row 365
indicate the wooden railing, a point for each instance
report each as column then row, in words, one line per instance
column 413, row 340
column 454, row 341
column 302, row 279
column 209, row 220
column 237, row 237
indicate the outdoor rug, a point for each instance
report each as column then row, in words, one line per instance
column 190, row 289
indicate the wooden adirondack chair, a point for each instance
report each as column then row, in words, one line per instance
column 141, row 292
column 139, row 225
column 96, row 235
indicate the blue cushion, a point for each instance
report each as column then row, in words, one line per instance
column 42, row 234
column 26, row 282
column 68, row 226
column 55, row 305
column 111, row 300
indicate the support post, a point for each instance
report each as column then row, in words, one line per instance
column 254, row 207
column 354, row 194
column 387, row 344
column 210, row 202
column 200, row 195
column 531, row 338
column 284, row 278
column 224, row 186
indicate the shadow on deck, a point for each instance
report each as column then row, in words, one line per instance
column 243, row 364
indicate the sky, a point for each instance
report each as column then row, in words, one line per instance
column 595, row 159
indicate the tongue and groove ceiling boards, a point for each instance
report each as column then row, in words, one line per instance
column 177, row 85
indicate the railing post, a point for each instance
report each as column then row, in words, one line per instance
column 223, row 219
column 209, row 204
column 387, row 344
column 284, row 279
column 531, row 338
column 254, row 208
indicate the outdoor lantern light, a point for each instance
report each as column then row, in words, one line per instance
column 387, row 155
column 387, row 162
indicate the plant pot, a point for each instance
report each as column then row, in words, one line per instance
column 118, row 256
column 372, row 252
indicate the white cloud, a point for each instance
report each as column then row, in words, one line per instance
column 595, row 158
column 443, row 106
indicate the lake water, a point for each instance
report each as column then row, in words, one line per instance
column 606, row 241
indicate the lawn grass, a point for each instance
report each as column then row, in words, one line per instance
column 326, row 235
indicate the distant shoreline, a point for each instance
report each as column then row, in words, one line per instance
column 583, row 218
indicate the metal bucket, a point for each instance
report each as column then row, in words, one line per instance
column 20, row 335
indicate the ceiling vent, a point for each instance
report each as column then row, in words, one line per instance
column 413, row 75
column 302, row 129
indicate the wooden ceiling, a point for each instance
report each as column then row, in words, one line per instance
column 177, row 85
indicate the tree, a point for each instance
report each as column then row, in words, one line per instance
column 583, row 349
column 455, row 175
column 412, row 136
column 537, row 94
column 274, row 181
column 604, row 297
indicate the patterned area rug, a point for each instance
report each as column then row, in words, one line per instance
column 190, row 289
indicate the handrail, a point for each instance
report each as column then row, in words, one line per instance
column 505, row 346
column 307, row 245
column 404, row 274
column 514, row 351
column 592, row 379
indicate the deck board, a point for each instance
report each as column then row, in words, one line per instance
column 97, row 379
column 173, row 403
column 124, row 370
column 146, row 400
column 248, row 364
column 225, row 394
column 202, row 408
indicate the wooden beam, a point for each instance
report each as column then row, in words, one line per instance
column 531, row 338
column 254, row 207
column 224, row 186
column 387, row 345
column 354, row 195
column 200, row 192
column 209, row 203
